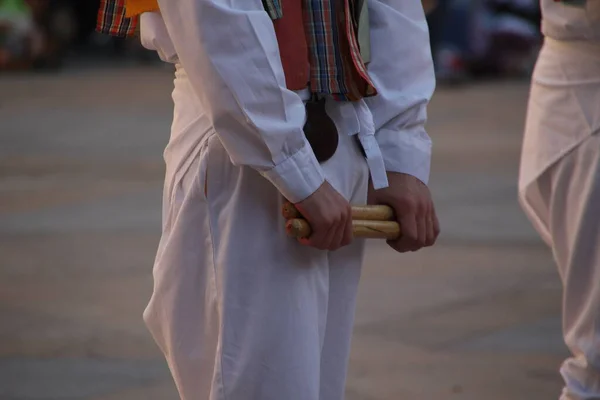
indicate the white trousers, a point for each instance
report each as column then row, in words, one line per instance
column 560, row 192
column 241, row 311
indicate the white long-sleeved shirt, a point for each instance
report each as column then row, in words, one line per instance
column 230, row 53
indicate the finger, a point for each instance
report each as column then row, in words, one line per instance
column 317, row 243
column 430, row 220
column 421, row 231
column 436, row 223
column 304, row 241
column 317, row 238
column 338, row 231
column 410, row 233
column 322, row 240
column 348, row 234
column 308, row 241
column 333, row 238
column 430, row 240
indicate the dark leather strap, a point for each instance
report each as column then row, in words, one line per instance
column 320, row 130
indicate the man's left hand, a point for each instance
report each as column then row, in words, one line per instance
column 411, row 200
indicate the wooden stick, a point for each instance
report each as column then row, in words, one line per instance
column 363, row 213
column 299, row 228
column 373, row 213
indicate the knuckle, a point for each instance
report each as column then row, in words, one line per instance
column 408, row 202
column 316, row 224
column 308, row 241
column 333, row 246
column 328, row 221
column 315, row 241
column 411, row 236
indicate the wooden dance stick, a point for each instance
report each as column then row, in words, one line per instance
column 389, row 230
column 363, row 213
column 369, row 222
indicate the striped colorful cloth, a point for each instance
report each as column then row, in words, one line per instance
column 337, row 66
column 112, row 20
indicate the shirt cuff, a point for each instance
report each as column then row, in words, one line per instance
column 298, row 176
column 406, row 151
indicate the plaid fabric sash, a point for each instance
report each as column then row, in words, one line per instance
column 337, row 66
column 338, row 44
column 112, row 19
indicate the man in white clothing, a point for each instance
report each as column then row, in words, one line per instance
column 559, row 184
column 240, row 310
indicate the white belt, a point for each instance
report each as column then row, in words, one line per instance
column 366, row 135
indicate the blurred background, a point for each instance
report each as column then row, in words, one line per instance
column 469, row 38
column 84, row 119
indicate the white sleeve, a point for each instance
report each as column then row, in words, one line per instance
column 401, row 68
column 230, row 53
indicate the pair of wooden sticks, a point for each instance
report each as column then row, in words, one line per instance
column 369, row 222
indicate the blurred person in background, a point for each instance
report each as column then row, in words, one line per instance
column 57, row 22
column 43, row 34
column 483, row 37
column 37, row 33
column 559, row 183
column 512, row 37
column 20, row 40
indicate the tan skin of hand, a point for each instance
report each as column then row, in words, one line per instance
column 411, row 200
column 330, row 217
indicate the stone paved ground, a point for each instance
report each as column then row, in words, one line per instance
column 476, row 317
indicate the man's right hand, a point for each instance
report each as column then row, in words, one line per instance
column 330, row 217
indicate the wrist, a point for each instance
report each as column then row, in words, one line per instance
column 297, row 177
column 395, row 176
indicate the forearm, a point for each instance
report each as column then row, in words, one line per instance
column 402, row 70
column 230, row 53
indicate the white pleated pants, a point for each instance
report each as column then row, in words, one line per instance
column 240, row 310
column 560, row 192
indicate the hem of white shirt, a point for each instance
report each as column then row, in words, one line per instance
column 406, row 153
column 298, row 176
